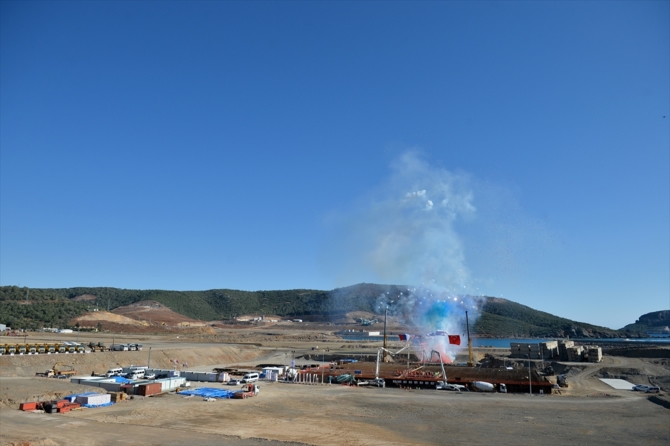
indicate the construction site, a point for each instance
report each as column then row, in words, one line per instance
column 305, row 384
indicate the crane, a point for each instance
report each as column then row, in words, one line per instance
column 379, row 357
column 439, row 355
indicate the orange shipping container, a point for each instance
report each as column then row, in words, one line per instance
column 150, row 389
column 28, row 406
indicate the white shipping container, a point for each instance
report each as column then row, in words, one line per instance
column 200, row 376
column 168, row 384
column 95, row 400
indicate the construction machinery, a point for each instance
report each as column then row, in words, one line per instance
column 381, row 354
column 57, row 370
column 97, row 347
column 444, row 373
column 247, row 391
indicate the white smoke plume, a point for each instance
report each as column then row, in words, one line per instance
column 406, row 234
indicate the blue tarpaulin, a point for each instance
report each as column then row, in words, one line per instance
column 209, row 392
column 121, row 379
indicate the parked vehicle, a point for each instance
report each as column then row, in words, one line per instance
column 653, row 389
column 250, row 378
column 379, row 382
column 137, row 374
column 451, row 387
column 58, row 371
column 640, row 388
column 233, row 382
column 483, row 386
column 116, row 371
column 248, row 391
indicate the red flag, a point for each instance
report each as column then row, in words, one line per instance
column 455, row 339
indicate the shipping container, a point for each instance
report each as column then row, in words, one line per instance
column 149, row 389
column 94, row 400
column 168, row 384
column 28, row 406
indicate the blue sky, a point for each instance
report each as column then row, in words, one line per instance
column 279, row 145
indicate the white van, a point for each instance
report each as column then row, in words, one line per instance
column 250, row 378
column 137, row 374
column 114, row 372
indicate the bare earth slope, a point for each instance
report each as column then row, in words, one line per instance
column 141, row 317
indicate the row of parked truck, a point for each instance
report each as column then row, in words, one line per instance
column 63, row 347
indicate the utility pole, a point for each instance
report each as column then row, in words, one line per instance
column 470, row 361
column 530, row 382
column 149, row 362
column 386, row 311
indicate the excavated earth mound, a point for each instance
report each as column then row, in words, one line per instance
column 155, row 312
column 90, row 319
column 142, row 317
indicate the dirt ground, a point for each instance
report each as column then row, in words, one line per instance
column 587, row 413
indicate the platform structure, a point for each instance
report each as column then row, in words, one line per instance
column 427, row 376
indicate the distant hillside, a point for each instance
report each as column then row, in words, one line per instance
column 36, row 308
column 513, row 319
column 654, row 322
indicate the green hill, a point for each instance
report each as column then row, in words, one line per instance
column 55, row 307
column 655, row 322
column 513, row 319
